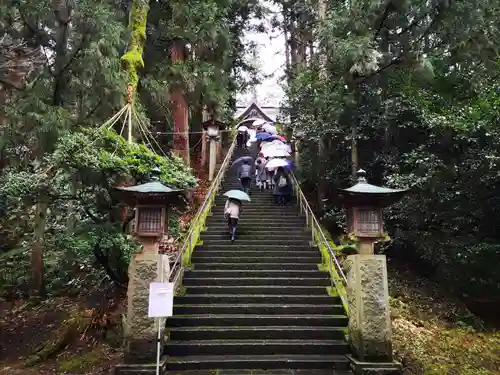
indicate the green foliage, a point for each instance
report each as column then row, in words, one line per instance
column 211, row 32
column 52, row 146
column 422, row 101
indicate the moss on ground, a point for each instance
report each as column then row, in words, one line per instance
column 79, row 364
column 434, row 334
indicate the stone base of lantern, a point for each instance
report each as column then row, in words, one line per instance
column 370, row 334
column 374, row 368
column 141, row 332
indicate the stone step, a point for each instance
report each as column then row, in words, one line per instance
column 261, row 372
column 269, row 243
column 258, row 281
column 257, row 333
column 267, row 309
column 254, row 273
column 256, row 247
column 265, row 215
column 323, row 299
column 258, row 208
column 255, row 260
column 278, row 255
column 255, row 347
column 261, row 362
column 247, row 320
column 276, row 221
column 257, row 289
column 262, row 217
column 257, row 199
column 222, row 234
column 244, row 227
column 254, row 266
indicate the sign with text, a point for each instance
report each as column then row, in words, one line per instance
column 161, row 300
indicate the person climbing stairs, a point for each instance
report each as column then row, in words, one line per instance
column 259, row 305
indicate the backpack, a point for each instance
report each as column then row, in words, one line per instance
column 282, row 182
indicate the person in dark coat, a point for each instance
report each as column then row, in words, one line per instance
column 240, row 139
column 282, row 190
column 245, row 176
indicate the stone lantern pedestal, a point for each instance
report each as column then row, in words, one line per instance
column 141, row 332
column 370, row 331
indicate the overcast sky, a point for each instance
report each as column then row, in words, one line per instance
column 271, row 62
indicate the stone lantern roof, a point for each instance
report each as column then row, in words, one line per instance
column 153, row 190
column 363, row 193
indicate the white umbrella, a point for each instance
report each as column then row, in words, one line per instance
column 270, row 129
column 242, row 128
column 267, row 126
column 275, row 143
column 273, row 153
column 258, row 123
column 276, row 163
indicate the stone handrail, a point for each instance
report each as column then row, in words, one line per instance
column 338, row 278
column 197, row 224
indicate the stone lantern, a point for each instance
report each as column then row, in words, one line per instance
column 212, row 128
column 364, row 203
column 150, row 201
column 370, row 333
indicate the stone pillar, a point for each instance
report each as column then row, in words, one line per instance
column 370, row 333
column 204, row 141
column 141, row 331
column 212, row 160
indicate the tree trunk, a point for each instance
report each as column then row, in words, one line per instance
column 37, row 249
column 180, row 110
column 322, row 183
column 286, row 28
column 302, row 41
column 63, row 15
column 3, row 123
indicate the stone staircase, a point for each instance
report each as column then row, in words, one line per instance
column 258, row 305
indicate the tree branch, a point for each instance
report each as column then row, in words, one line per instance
column 44, row 38
column 381, row 20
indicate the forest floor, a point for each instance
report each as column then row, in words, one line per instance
column 25, row 327
column 434, row 334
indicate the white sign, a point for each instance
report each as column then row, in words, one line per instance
column 161, row 300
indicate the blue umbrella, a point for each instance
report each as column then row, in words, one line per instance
column 237, row 194
column 262, row 136
column 290, row 166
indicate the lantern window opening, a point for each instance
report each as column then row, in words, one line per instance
column 150, row 221
column 368, row 221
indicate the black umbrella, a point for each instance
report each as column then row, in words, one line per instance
column 241, row 160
